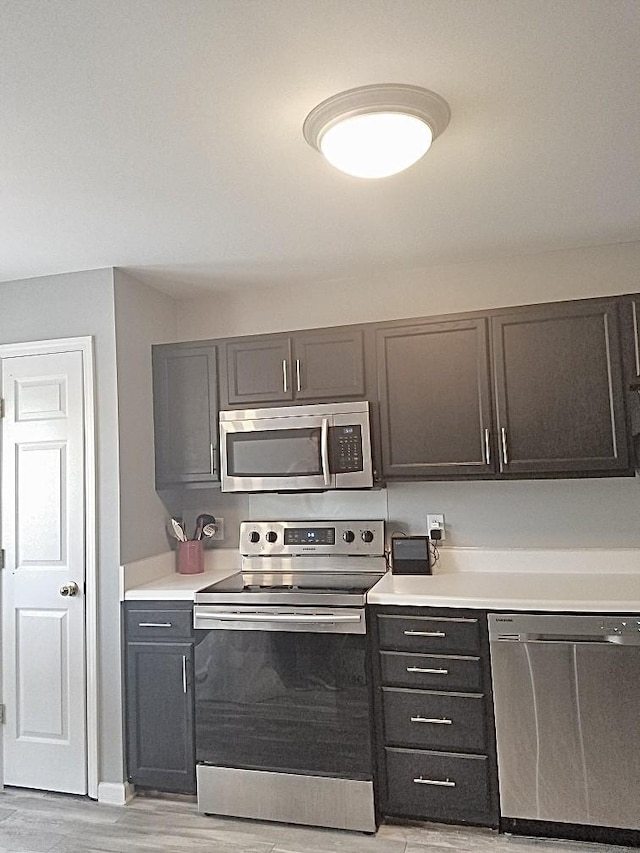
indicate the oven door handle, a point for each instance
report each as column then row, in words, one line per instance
column 303, row 618
column 324, row 451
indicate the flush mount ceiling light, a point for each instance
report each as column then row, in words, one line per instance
column 376, row 131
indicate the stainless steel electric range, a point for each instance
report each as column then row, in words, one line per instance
column 283, row 704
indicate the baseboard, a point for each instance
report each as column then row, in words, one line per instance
column 115, row 793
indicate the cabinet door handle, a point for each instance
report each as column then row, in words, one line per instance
column 184, row 674
column 430, row 671
column 505, row 456
column 298, row 383
column 154, row 624
column 445, row 783
column 487, row 447
column 285, row 384
column 437, row 721
column 212, row 469
column 425, row 634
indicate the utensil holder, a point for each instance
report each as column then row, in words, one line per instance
column 190, row 557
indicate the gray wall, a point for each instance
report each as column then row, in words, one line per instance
column 558, row 513
column 143, row 316
column 598, row 513
column 74, row 305
column 393, row 292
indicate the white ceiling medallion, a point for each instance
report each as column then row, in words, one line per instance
column 376, row 131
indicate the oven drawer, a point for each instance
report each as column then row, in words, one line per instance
column 159, row 624
column 436, row 785
column 434, row 720
column 431, row 672
column 429, row 634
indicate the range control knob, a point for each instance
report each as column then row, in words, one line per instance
column 271, row 536
column 254, row 536
column 348, row 536
column 367, row 536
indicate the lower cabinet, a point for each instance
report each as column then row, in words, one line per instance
column 159, row 697
column 434, row 713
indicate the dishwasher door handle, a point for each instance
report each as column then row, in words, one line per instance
column 605, row 639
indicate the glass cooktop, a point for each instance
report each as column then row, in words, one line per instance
column 308, row 587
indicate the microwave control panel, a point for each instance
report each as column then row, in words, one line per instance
column 345, row 448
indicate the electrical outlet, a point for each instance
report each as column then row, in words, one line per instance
column 219, row 534
column 436, row 522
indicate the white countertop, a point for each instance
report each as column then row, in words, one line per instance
column 593, row 593
column 614, row 593
column 175, row 587
column 155, row 578
column 591, row 580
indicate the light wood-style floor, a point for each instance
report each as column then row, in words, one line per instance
column 36, row 822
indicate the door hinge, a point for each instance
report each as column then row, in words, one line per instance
column 1, row 558
column 1, row 407
column 2, row 714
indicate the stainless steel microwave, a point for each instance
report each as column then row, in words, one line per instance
column 296, row 448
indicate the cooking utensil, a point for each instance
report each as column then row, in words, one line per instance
column 209, row 530
column 202, row 520
column 178, row 530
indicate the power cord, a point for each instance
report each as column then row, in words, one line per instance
column 435, row 535
column 387, row 551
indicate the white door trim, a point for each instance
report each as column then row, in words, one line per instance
column 85, row 346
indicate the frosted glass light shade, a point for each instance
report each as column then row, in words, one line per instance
column 376, row 131
column 376, row 145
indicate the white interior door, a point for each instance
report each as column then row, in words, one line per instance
column 43, row 536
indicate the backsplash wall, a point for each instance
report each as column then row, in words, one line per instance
column 593, row 513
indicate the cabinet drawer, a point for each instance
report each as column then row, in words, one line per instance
column 429, row 634
column 159, row 624
column 434, row 720
column 431, row 672
column 438, row 785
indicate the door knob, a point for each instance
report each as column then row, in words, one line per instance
column 69, row 588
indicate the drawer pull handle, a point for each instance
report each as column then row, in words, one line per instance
column 154, row 625
column 445, row 783
column 442, row 721
column 429, row 671
column 425, row 634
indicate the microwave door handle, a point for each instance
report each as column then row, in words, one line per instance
column 324, row 451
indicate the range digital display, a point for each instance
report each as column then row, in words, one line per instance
column 310, row 536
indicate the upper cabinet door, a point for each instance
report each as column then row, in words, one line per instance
column 559, row 391
column 259, row 371
column 185, row 398
column 435, row 407
column 629, row 307
column 329, row 365
column 308, row 366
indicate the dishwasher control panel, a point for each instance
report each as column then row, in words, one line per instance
column 555, row 628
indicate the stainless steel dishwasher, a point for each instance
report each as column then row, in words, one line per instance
column 567, row 709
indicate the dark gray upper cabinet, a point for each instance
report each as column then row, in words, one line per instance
column 629, row 309
column 304, row 367
column 259, row 370
column 185, row 399
column 329, row 365
column 435, row 403
column 559, row 390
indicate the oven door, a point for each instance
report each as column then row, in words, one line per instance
column 284, row 692
column 275, row 454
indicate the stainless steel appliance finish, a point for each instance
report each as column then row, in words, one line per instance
column 283, row 721
column 566, row 693
column 311, row 620
column 294, row 448
column 287, row 797
column 324, row 563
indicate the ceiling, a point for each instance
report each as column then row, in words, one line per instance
column 165, row 136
